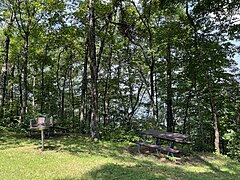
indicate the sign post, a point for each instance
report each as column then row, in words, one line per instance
column 41, row 128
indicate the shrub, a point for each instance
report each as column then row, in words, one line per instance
column 233, row 143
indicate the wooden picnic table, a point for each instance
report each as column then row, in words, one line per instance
column 172, row 138
column 169, row 136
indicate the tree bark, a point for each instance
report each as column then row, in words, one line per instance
column 19, row 68
column 83, row 107
column 152, row 67
column 71, row 90
column 106, row 91
column 42, row 81
column 25, row 74
column 238, row 119
column 186, row 113
column 94, row 74
column 156, row 101
column 73, row 102
column 215, row 121
column 42, row 88
column 170, row 123
column 12, row 90
column 63, row 98
column 58, row 83
column 3, row 81
column 4, row 71
column 33, row 91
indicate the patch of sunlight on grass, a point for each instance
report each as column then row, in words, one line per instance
column 197, row 169
column 223, row 163
column 46, row 165
column 214, row 167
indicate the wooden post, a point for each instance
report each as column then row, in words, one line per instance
column 41, row 128
column 42, row 138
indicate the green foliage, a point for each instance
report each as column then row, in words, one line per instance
column 119, row 134
column 233, row 143
column 131, row 50
column 173, row 159
column 3, row 129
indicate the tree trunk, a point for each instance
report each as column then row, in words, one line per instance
column 58, row 83
column 215, row 123
column 20, row 88
column 71, row 91
column 73, row 102
column 4, row 72
column 83, row 107
column 186, row 112
column 106, row 91
column 94, row 74
column 3, row 80
column 152, row 66
column 25, row 75
column 238, row 119
column 156, row 101
column 169, row 91
column 33, row 94
column 42, row 81
column 42, row 89
column 12, row 90
column 63, row 98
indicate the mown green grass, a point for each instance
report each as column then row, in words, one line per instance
column 75, row 157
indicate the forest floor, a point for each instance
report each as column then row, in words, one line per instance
column 75, row 157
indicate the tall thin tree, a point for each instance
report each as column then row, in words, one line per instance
column 94, row 73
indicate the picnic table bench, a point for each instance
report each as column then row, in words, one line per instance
column 142, row 143
column 63, row 129
column 159, row 149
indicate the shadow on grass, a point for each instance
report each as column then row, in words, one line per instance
column 76, row 145
column 115, row 171
column 154, row 168
column 13, row 140
column 150, row 170
column 140, row 168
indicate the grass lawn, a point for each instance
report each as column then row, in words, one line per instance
column 75, row 157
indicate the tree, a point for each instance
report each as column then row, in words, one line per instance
column 94, row 72
column 110, row 68
column 24, row 13
column 7, row 33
